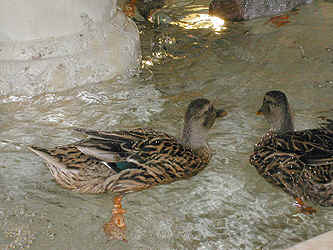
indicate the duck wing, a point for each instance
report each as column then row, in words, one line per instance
column 145, row 157
column 122, row 161
column 100, row 147
column 294, row 161
column 121, row 135
column 119, row 145
column 314, row 147
column 318, row 157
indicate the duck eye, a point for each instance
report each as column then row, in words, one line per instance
column 268, row 102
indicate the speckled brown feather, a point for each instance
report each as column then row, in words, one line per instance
column 132, row 160
column 155, row 158
column 301, row 163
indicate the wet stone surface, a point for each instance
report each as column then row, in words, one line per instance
column 228, row 205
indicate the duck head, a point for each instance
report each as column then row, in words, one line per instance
column 275, row 108
column 199, row 118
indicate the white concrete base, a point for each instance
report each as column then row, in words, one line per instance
column 87, row 51
column 321, row 242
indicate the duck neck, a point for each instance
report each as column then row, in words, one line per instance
column 194, row 137
column 285, row 123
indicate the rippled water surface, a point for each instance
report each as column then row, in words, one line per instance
column 228, row 205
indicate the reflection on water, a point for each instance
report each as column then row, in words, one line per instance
column 228, row 205
column 201, row 21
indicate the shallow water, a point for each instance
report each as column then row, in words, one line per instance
column 228, row 205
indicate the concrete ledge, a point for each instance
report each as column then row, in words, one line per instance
column 320, row 242
column 83, row 41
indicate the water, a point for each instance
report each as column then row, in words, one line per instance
column 228, row 205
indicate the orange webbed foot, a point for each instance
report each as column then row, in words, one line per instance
column 116, row 227
column 302, row 208
column 278, row 21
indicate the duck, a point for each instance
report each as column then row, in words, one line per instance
column 125, row 161
column 144, row 10
column 244, row 10
column 298, row 162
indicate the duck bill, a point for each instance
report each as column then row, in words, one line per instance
column 260, row 111
column 221, row 113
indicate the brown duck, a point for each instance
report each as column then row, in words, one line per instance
column 125, row 161
column 299, row 162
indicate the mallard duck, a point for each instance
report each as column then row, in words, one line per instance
column 299, row 162
column 125, row 161
column 240, row 10
column 142, row 10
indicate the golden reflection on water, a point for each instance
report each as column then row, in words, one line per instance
column 147, row 62
column 201, row 21
column 228, row 205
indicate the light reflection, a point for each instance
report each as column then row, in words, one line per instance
column 201, row 21
column 148, row 62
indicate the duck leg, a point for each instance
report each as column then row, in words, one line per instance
column 303, row 208
column 116, row 227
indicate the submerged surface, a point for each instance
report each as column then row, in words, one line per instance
column 228, row 205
